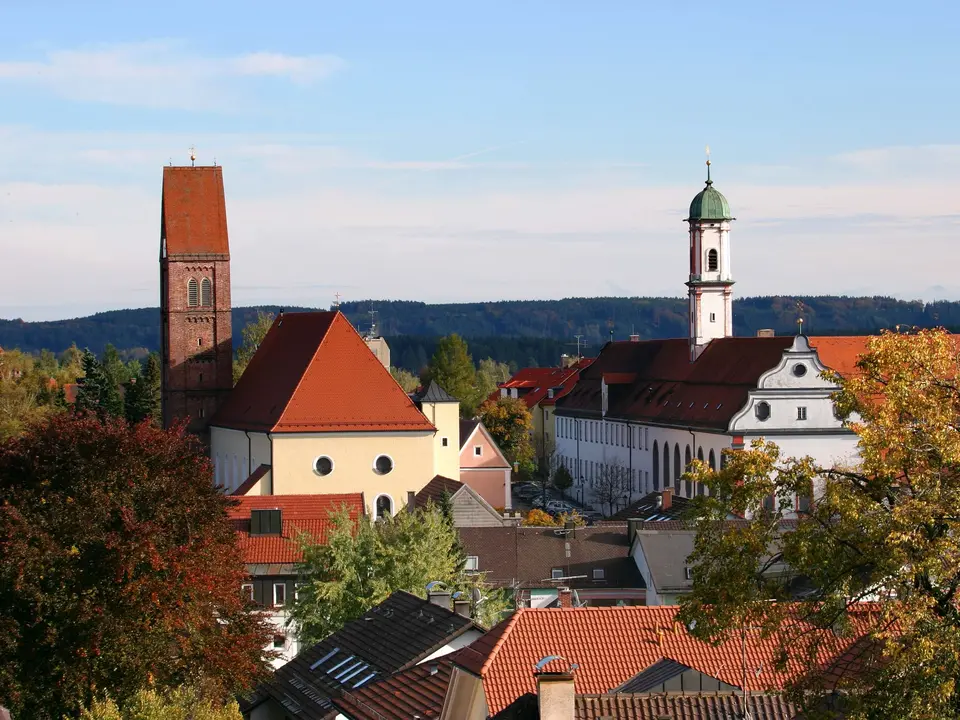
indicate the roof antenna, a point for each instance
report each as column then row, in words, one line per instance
column 193, row 156
column 280, row 318
column 709, row 181
column 336, row 301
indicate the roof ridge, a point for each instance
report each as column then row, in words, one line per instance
column 501, row 640
column 306, row 370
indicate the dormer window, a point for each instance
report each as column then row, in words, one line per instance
column 265, row 522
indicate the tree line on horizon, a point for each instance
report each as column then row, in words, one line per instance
column 525, row 333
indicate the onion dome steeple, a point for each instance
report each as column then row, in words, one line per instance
column 709, row 203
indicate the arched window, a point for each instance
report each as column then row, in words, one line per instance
column 193, row 293
column 700, row 453
column 656, row 466
column 206, row 292
column 712, row 260
column 713, row 461
column 688, row 457
column 677, row 470
column 384, row 507
column 666, row 465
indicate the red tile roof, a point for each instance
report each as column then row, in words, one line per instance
column 193, row 216
column 415, row 693
column 612, row 644
column 314, row 373
column 538, row 381
column 694, row 707
column 299, row 513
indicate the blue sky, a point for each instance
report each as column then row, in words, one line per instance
column 453, row 151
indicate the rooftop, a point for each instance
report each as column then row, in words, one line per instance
column 314, row 373
column 193, row 214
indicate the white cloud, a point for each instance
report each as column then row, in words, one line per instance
column 159, row 74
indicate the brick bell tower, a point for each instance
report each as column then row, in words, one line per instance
column 196, row 343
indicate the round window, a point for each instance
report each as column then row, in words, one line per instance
column 763, row 410
column 323, row 465
column 383, row 464
column 799, row 370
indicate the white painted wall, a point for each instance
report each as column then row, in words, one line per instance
column 459, row 642
column 236, row 454
column 653, row 597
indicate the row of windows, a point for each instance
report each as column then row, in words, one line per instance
column 279, row 593
column 762, row 411
column 590, row 472
column 324, row 465
column 199, row 294
column 604, row 432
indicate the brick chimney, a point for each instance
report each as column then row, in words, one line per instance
column 555, row 695
column 666, row 498
column 566, row 597
column 634, row 338
column 766, row 332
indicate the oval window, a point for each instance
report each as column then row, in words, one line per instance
column 323, row 465
column 383, row 464
column 763, row 410
column 799, row 370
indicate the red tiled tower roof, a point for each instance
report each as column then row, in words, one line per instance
column 314, row 373
column 193, row 211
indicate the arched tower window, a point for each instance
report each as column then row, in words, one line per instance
column 656, row 466
column 713, row 261
column 713, row 461
column 206, row 292
column 193, row 293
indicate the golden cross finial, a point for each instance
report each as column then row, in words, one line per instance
column 193, row 155
column 709, row 181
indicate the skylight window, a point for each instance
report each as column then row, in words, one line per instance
column 340, row 664
column 326, row 657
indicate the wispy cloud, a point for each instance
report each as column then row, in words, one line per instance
column 159, row 74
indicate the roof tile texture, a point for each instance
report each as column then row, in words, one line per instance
column 299, row 514
column 194, row 215
column 314, row 373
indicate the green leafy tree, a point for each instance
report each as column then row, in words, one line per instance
column 490, row 374
column 177, row 704
column 252, row 335
column 509, row 422
column 884, row 529
column 142, row 396
column 452, row 368
column 114, row 367
column 405, row 379
column 118, row 568
column 562, row 480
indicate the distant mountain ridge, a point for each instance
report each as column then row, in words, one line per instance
column 515, row 330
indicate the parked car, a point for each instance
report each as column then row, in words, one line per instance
column 528, row 492
column 559, row 506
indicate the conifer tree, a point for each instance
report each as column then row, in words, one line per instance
column 142, row 396
column 452, row 369
column 96, row 392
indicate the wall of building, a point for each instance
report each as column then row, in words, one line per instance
column 470, row 512
column 652, row 596
column 353, row 455
column 236, row 454
column 465, row 698
column 446, row 443
column 378, row 346
column 487, row 473
column 590, row 447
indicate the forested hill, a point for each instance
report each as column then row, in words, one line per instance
column 515, row 331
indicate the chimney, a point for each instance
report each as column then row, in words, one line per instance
column 766, row 332
column 566, row 597
column 411, row 500
column 634, row 338
column 555, row 695
column 568, row 361
column 440, row 598
column 666, row 498
column 462, row 607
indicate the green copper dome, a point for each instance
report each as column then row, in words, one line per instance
column 709, row 203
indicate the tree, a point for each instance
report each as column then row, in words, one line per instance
column 177, row 704
column 490, row 374
column 97, row 392
column 142, row 396
column 405, row 379
column 452, row 368
column 884, row 529
column 562, row 480
column 612, row 486
column 509, row 423
column 252, row 335
column 118, row 566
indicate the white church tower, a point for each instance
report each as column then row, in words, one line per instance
column 711, row 283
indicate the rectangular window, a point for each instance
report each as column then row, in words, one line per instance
column 279, row 594
column 598, row 573
column 688, row 573
column 713, row 317
column 247, row 591
column 279, row 641
column 556, row 573
column 444, row 442
column 478, row 450
column 473, row 563
column 801, row 413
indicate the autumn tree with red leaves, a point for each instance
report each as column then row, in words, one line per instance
column 118, row 570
